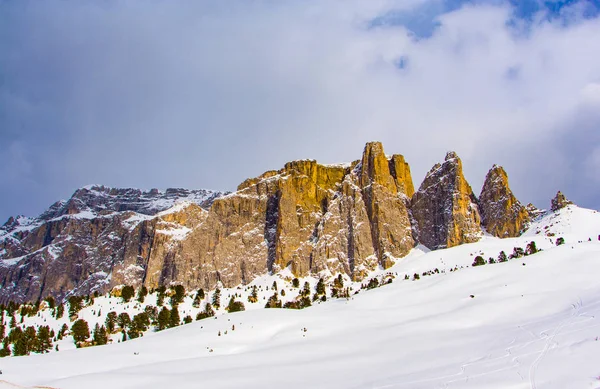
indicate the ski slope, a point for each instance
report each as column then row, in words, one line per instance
column 531, row 322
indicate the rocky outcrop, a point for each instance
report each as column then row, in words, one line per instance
column 306, row 218
column 444, row 208
column 559, row 201
column 386, row 199
column 99, row 238
column 502, row 215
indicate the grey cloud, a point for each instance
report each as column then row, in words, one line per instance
column 206, row 94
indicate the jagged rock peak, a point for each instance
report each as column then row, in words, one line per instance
column 385, row 186
column 393, row 173
column 502, row 215
column 559, row 201
column 451, row 155
column 444, row 209
column 99, row 199
column 375, row 167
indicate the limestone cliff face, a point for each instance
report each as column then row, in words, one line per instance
column 386, row 198
column 307, row 217
column 99, row 238
column 444, row 208
column 310, row 218
column 502, row 215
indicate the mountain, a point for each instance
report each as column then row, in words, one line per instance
column 445, row 208
column 502, row 214
column 306, row 218
column 531, row 321
column 80, row 245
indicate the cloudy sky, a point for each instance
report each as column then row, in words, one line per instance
column 203, row 94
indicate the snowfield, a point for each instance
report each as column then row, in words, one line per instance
column 531, row 322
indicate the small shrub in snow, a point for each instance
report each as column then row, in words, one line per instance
column 235, row 306
column 502, row 257
column 531, row 248
column 479, row 261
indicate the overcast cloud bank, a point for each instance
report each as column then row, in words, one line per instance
column 205, row 94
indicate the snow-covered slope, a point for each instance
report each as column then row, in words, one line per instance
column 531, row 322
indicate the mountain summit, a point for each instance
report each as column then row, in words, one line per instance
column 306, row 218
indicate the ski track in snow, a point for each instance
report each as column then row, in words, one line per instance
column 549, row 345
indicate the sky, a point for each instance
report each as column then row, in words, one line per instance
column 204, row 94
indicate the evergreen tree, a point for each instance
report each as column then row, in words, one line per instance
column 561, row 241
column 174, row 319
column 142, row 293
column 208, row 312
column 321, row 287
column 80, row 331
column 139, row 324
column 152, row 312
column 253, row 297
column 160, row 295
column 123, row 320
column 531, row 248
column 188, row 319
column 75, row 305
column 13, row 321
column 373, row 283
column 127, row 293
column 216, row 298
column 163, row 319
column 179, row 295
column 338, row 282
column 274, row 286
column 502, row 257
column 479, row 261
column 51, row 302
column 44, row 339
column 296, row 283
column 100, row 336
column 31, row 341
column 273, row 301
column 20, row 347
column 237, row 306
column 111, row 321
column 518, row 252
column 63, row 330
column 5, row 351
column 306, row 290
column 60, row 311
column 198, row 298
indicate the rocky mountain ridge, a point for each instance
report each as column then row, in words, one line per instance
column 305, row 218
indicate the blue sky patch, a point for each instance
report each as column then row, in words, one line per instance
column 422, row 20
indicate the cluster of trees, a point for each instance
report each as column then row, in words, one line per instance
column 338, row 290
column 26, row 341
column 518, row 252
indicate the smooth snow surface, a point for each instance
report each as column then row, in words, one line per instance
column 531, row 322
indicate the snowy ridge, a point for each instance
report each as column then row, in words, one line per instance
column 97, row 201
